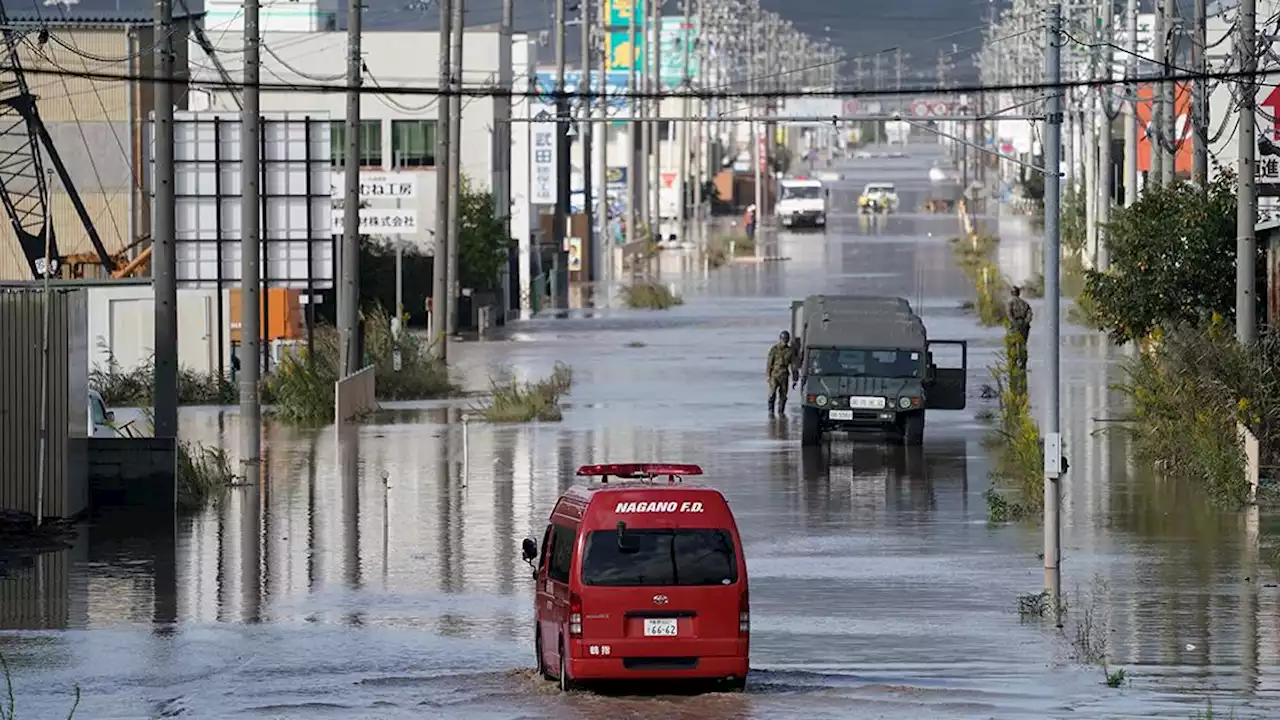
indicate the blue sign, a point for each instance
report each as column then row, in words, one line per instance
column 615, row 84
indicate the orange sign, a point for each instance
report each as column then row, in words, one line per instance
column 668, row 180
column 1182, row 128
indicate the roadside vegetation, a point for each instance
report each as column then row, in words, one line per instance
column 1191, row 382
column 975, row 254
column 1017, row 476
column 301, row 389
column 649, row 296
column 1081, row 625
column 203, row 473
column 724, row 249
column 132, row 387
column 513, row 401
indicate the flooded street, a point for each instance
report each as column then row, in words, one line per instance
column 380, row 576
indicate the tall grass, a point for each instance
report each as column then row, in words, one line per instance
column 9, row 705
column 974, row 255
column 1189, row 388
column 132, row 387
column 512, row 401
column 650, row 296
column 203, row 473
column 723, row 249
column 301, row 389
column 1017, row 477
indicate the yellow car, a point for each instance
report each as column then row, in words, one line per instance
column 878, row 198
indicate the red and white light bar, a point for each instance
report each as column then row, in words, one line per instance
column 639, row 470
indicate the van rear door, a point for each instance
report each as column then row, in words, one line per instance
column 664, row 580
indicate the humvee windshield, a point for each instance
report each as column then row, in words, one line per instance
column 869, row 363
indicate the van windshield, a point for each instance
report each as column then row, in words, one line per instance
column 661, row 558
column 801, row 192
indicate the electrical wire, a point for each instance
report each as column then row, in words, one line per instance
column 492, row 92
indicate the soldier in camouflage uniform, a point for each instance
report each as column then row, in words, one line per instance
column 1019, row 313
column 779, row 368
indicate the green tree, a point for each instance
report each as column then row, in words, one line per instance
column 483, row 242
column 1172, row 261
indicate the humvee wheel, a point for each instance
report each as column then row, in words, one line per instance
column 913, row 430
column 810, row 432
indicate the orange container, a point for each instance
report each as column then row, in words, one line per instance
column 285, row 320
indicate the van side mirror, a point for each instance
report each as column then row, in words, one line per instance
column 529, row 550
column 111, row 417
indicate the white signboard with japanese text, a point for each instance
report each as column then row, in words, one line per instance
column 380, row 185
column 542, row 165
column 381, row 221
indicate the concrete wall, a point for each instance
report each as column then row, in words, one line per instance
column 21, row 360
column 121, row 325
column 132, row 474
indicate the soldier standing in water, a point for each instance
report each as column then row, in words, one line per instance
column 779, row 369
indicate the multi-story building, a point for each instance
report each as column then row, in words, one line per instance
column 95, row 124
column 398, row 129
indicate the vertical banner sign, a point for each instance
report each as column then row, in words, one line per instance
column 618, row 13
column 543, row 163
column 762, row 155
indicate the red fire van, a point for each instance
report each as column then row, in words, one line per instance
column 642, row 578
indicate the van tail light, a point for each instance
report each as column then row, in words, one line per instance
column 744, row 613
column 575, row 616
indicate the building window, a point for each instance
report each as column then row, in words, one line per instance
column 413, row 143
column 370, row 143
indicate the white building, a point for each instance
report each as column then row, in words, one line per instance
column 398, row 129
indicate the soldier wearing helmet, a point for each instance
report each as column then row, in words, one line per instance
column 779, row 368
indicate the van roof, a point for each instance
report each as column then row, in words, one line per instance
column 642, row 477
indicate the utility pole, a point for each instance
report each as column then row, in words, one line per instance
column 1052, row 301
column 1246, row 198
column 1089, row 149
column 602, row 251
column 349, row 292
column 1106, row 135
column 1200, row 99
column 1155, row 128
column 877, row 73
column 686, row 127
column 1171, row 140
column 585, row 132
column 859, row 74
column 440, row 258
column 563, row 167
column 757, row 129
column 250, row 247
column 458, row 28
column 1131, row 104
column 655, row 172
column 633, row 128
column 164, row 244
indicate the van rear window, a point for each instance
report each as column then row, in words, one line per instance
column 660, row 558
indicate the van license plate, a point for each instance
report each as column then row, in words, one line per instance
column 659, row 628
column 841, row 414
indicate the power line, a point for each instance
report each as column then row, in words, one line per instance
column 492, row 92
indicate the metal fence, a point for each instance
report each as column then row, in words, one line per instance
column 58, row 361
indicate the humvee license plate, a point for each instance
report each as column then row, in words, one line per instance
column 840, row 414
column 869, row 403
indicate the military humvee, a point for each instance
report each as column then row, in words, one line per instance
column 867, row 363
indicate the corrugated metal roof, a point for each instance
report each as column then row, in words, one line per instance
column 102, row 12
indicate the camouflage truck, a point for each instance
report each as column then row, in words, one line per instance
column 866, row 364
